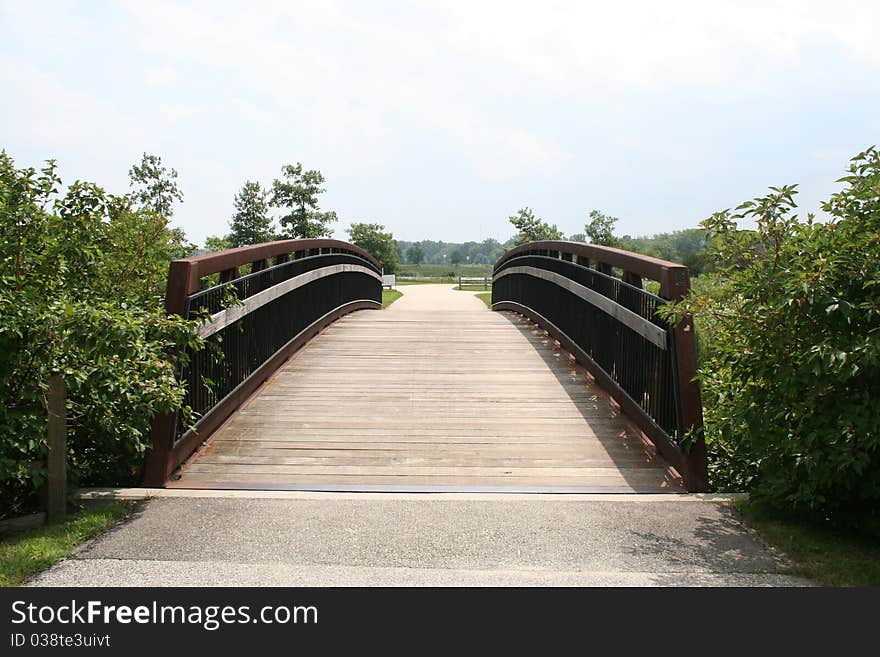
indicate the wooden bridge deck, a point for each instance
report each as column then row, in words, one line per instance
column 434, row 393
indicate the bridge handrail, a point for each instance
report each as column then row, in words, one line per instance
column 609, row 325
column 279, row 306
column 674, row 278
column 184, row 274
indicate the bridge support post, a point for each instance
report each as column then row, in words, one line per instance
column 183, row 280
column 676, row 285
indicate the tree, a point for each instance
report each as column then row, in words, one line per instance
column 81, row 287
column 688, row 247
column 532, row 229
column 577, row 237
column 217, row 243
column 415, row 254
column 791, row 374
column 455, row 257
column 297, row 192
column 600, row 229
column 373, row 239
column 251, row 223
column 155, row 187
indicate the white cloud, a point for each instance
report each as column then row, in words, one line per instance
column 503, row 92
column 57, row 114
column 160, row 76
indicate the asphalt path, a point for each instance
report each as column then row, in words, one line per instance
column 331, row 539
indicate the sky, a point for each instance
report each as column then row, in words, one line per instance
column 441, row 119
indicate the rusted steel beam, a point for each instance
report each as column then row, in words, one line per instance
column 212, row 263
column 677, row 285
column 605, row 268
column 633, row 279
column 672, row 276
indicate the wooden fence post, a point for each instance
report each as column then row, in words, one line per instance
column 57, row 443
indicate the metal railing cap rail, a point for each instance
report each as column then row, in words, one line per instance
column 218, row 261
column 674, row 278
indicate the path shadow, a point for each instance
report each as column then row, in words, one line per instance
column 120, row 526
column 720, row 543
column 567, row 371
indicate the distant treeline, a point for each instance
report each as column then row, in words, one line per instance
column 687, row 247
column 431, row 252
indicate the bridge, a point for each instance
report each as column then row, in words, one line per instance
column 572, row 384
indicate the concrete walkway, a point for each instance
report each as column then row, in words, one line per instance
column 207, row 538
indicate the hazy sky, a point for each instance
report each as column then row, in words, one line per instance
column 441, row 119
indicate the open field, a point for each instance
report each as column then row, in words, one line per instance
column 443, row 271
column 389, row 297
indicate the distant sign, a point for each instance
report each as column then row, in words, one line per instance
column 389, row 280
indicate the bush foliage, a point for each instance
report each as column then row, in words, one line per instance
column 82, row 276
column 791, row 374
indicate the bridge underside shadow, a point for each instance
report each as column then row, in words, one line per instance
column 433, row 394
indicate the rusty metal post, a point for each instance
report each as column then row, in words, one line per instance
column 676, row 285
column 633, row 279
column 182, row 281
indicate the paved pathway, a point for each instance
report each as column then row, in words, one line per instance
column 351, row 539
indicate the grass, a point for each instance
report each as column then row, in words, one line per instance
column 444, row 271
column 27, row 553
column 485, row 297
column 426, row 281
column 389, row 297
column 827, row 555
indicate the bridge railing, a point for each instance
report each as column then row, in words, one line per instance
column 252, row 322
column 591, row 298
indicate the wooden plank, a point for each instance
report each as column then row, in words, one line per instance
column 436, row 391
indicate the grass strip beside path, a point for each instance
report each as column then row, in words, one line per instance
column 828, row 555
column 426, row 281
column 27, row 553
column 485, row 297
column 389, row 297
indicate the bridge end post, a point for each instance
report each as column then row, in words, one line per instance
column 183, row 280
column 675, row 285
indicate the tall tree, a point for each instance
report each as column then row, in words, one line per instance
column 297, row 192
column 415, row 254
column 455, row 257
column 83, row 276
column 154, row 186
column 533, row 229
column 373, row 239
column 251, row 223
column 217, row 243
column 600, row 229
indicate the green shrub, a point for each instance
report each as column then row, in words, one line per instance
column 790, row 349
column 81, row 281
